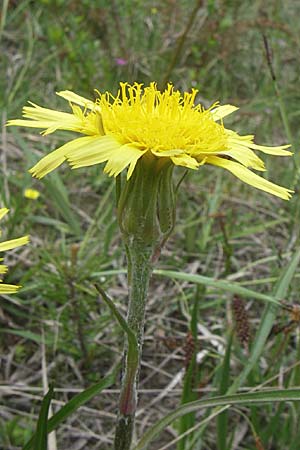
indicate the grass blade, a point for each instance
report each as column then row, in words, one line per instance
column 267, row 396
column 132, row 340
column 191, row 375
column 69, row 408
column 26, row 334
column 42, row 425
column 223, row 285
column 222, row 419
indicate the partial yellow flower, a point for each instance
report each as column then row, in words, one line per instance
column 8, row 245
column 31, row 194
column 138, row 121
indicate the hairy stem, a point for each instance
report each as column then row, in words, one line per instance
column 139, row 264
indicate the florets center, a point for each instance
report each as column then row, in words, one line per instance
column 161, row 121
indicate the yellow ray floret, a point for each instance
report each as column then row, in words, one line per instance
column 8, row 245
column 3, row 269
column 8, row 288
column 142, row 121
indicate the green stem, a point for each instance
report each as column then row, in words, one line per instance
column 140, row 268
column 146, row 215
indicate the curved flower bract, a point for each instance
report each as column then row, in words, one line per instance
column 143, row 120
column 8, row 245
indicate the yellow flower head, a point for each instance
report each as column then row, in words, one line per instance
column 144, row 121
column 8, row 245
column 31, row 194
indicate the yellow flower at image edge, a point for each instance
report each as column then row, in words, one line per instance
column 8, row 245
column 143, row 121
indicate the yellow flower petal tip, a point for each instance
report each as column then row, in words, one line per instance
column 141, row 121
column 222, row 111
column 8, row 288
column 31, row 194
column 3, row 212
column 8, row 245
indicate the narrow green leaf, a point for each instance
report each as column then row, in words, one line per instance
column 132, row 340
column 42, row 424
column 25, row 334
column 191, row 376
column 78, row 400
column 274, row 424
column 54, row 223
column 253, row 229
column 267, row 396
column 224, row 376
column 223, row 285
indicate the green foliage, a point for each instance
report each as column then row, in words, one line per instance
column 42, row 426
column 192, row 376
column 66, row 411
column 269, row 396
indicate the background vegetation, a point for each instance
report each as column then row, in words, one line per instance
column 57, row 329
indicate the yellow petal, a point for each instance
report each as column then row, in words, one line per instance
column 247, row 141
column 106, row 148
column 223, row 111
column 48, row 119
column 121, row 158
column 249, row 177
column 75, row 98
column 278, row 151
column 3, row 212
column 3, row 269
column 13, row 243
column 185, row 161
column 8, row 288
column 244, row 156
column 133, row 164
column 58, row 156
column 167, row 153
column 94, row 152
